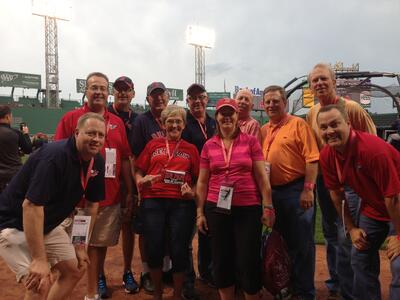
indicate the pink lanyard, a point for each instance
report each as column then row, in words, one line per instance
column 227, row 157
column 274, row 133
column 169, row 153
column 203, row 129
column 85, row 180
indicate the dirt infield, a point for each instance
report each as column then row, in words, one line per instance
column 10, row 290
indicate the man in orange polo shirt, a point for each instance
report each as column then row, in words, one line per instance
column 291, row 151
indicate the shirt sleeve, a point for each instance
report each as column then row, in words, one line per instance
column 308, row 143
column 195, row 162
column 24, row 142
column 255, row 148
column 331, row 180
column 95, row 190
column 359, row 118
column 125, row 148
column 143, row 161
column 138, row 141
column 63, row 130
column 204, row 158
column 43, row 181
column 385, row 174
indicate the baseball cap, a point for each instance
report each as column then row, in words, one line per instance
column 154, row 86
column 226, row 102
column 123, row 83
column 195, row 87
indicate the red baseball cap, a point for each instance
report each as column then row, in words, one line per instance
column 226, row 102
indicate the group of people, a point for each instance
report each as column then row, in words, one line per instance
column 168, row 171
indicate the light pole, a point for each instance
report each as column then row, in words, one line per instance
column 200, row 38
column 51, row 10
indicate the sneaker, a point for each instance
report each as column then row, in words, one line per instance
column 102, row 289
column 167, row 278
column 189, row 293
column 146, row 283
column 129, row 283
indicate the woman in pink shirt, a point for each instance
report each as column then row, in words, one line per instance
column 231, row 190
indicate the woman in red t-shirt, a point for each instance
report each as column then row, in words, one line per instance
column 166, row 173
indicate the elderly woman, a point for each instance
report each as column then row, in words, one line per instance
column 233, row 186
column 166, row 171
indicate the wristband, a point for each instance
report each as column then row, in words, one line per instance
column 199, row 216
column 309, row 186
column 398, row 237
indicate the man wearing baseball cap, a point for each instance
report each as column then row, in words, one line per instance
column 148, row 126
column 123, row 94
column 199, row 128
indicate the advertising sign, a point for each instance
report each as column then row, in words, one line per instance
column 213, row 97
column 175, row 94
column 20, row 80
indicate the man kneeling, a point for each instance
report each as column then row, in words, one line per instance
column 37, row 200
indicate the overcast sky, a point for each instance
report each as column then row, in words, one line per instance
column 258, row 42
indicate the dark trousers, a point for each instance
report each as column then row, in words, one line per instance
column 235, row 244
column 168, row 216
column 296, row 225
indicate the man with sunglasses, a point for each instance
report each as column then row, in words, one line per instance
column 199, row 128
column 124, row 92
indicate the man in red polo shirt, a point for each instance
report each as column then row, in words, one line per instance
column 371, row 168
column 116, row 152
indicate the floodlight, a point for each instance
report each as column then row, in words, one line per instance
column 58, row 9
column 200, row 36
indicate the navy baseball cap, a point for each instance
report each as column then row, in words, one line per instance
column 123, row 83
column 155, row 86
column 195, row 87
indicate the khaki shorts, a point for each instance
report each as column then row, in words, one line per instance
column 15, row 252
column 107, row 227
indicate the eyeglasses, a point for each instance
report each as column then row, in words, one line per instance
column 95, row 88
column 199, row 97
column 172, row 122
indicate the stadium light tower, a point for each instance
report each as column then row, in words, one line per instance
column 200, row 38
column 52, row 10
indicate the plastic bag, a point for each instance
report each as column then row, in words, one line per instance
column 276, row 264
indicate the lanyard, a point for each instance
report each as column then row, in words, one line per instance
column 85, row 180
column 274, row 133
column 342, row 175
column 169, row 153
column 227, row 156
column 116, row 111
column 203, row 129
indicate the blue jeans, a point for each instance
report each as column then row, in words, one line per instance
column 366, row 263
column 330, row 230
column 344, row 268
column 174, row 217
column 296, row 225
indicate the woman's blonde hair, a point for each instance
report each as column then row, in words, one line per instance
column 172, row 111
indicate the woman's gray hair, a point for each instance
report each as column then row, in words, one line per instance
column 173, row 110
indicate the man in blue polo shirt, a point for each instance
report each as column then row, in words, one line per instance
column 37, row 200
column 123, row 93
column 199, row 128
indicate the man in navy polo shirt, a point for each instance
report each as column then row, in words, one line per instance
column 147, row 126
column 199, row 128
column 371, row 168
column 42, row 194
column 123, row 93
